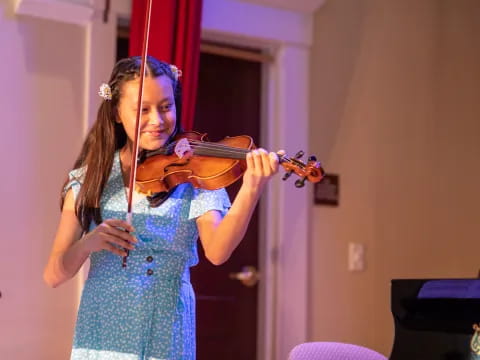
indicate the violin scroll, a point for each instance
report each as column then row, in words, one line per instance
column 311, row 171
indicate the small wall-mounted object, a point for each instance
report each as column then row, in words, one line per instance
column 327, row 190
column 78, row 12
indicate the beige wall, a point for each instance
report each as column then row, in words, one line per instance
column 395, row 112
column 42, row 74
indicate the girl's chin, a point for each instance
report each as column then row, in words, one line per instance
column 153, row 145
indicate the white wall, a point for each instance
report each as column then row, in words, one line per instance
column 42, row 75
column 394, row 104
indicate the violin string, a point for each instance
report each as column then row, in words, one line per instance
column 212, row 148
column 209, row 144
column 206, row 148
column 238, row 151
column 219, row 146
column 219, row 153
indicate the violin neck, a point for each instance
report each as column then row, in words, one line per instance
column 220, row 151
column 227, row 152
column 209, row 149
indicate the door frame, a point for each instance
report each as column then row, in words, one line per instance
column 284, row 211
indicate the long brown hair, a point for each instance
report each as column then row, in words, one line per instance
column 107, row 136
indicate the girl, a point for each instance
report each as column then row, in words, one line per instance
column 146, row 310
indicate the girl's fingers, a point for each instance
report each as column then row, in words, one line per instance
column 109, row 236
column 267, row 169
column 273, row 158
column 250, row 163
column 120, row 242
column 116, row 232
column 120, row 223
column 122, row 235
column 257, row 161
column 262, row 163
column 268, row 161
column 115, row 250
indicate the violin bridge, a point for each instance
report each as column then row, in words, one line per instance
column 183, row 148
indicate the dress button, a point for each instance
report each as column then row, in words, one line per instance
column 149, row 258
column 149, row 272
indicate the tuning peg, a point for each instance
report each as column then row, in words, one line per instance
column 312, row 158
column 300, row 182
column 299, row 154
column 287, row 175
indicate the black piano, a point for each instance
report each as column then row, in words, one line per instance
column 436, row 319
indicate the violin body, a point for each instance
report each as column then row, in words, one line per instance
column 201, row 166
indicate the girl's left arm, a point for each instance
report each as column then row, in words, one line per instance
column 219, row 236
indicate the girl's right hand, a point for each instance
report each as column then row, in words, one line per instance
column 108, row 236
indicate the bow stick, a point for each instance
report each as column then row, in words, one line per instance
column 134, row 150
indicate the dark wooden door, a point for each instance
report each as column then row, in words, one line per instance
column 228, row 103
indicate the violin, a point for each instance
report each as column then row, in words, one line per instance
column 190, row 157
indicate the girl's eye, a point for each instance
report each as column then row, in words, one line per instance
column 166, row 107
column 145, row 110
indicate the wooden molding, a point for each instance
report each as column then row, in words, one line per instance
column 218, row 49
column 232, row 52
column 304, row 6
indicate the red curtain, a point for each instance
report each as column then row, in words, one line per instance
column 175, row 27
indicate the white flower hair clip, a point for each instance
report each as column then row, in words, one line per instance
column 105, row 92
column 176, row 72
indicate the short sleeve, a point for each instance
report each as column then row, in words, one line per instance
column 206, row 200
column 75, row 179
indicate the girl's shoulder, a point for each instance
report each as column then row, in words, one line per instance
column 204, row 200
column 77, row 174
column 75, row 181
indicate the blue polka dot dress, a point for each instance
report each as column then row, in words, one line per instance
column 145, row 311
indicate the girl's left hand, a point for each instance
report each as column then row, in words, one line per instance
column 261, row 166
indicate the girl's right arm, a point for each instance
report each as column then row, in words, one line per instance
column 71, row 249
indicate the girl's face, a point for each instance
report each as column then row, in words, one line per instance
column 158, row 113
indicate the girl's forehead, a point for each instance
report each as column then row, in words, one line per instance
column 156, row 87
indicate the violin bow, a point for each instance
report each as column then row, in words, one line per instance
column 134, row 150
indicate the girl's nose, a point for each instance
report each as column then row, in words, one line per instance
column 155, row 118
